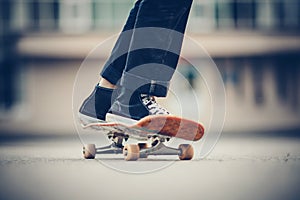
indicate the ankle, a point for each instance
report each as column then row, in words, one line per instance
column 106, row 84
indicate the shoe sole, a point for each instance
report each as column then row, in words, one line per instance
column 84, row 119
column 119, row 119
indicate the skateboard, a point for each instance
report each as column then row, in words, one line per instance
column 151, row 134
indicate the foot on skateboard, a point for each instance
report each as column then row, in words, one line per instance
column 151, row 132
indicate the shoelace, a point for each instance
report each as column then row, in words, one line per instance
column 153, row 106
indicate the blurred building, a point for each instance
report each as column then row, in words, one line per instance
column 255, row 44
column 92, row 15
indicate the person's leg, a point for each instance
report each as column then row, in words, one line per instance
column 144, row 66
column 149, row 70
column 114, row 66
column 99, row 102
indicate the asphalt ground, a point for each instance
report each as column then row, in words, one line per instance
column 241, row 166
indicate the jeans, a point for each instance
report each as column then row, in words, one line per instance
column 146, row 53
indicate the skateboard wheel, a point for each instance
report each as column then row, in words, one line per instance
column 187, row 152
column 131, row 152
column 89, row 151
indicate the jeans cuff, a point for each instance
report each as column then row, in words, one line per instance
column 145, row 86
column 112, row 75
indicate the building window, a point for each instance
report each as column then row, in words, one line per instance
column 75, row 16
column 224, row 14
column 202, row 17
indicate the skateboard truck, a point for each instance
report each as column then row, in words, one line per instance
column 140, row 150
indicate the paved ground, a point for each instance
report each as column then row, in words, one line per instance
column 240, row 167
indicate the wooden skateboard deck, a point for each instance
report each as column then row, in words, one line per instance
column 166, row 125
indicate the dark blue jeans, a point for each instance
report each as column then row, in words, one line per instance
column 146, row 53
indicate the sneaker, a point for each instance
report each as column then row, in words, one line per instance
column 153, row 107
column 95, row 107
column 136, row 106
